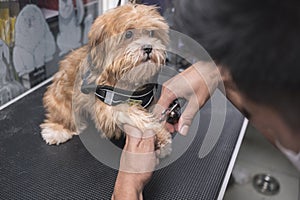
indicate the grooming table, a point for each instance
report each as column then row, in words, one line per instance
column 31, row 169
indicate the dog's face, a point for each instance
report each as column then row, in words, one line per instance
column 127, row 46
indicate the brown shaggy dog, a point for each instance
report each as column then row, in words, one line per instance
column 126, row 50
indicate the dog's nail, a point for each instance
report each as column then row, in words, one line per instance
column 184, row 130
column 157, row 152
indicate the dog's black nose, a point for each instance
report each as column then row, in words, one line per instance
column 147, row 48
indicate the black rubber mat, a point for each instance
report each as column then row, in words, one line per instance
column 30, row 169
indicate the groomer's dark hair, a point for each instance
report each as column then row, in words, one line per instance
column 257, row 40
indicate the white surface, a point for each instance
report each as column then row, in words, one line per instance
column 109, row 4
column 233, row 159
column 257, row 155
column 49, row 13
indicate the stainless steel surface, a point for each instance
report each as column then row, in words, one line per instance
column 256, row 156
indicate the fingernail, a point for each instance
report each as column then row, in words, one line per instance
column 184, row 130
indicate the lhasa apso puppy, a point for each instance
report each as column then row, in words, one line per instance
column 111, row 78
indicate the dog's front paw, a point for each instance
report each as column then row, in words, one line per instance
column 163, row 143
column 56, row 136
column 165, row 150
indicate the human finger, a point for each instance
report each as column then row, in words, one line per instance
column 133, row 138
column 167, row 96
column 147, row 143
column 187, row 116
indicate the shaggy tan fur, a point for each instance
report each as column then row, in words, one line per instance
column 115, row 61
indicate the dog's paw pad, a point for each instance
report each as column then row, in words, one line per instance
column 55, row 137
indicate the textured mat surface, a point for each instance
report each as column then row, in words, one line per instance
column 30, row 169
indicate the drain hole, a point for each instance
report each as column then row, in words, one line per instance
column 266, row 184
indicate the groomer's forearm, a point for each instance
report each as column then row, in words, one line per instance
column 126, row 189
column 127, row 195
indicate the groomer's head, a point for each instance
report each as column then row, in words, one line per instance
column 257, row 41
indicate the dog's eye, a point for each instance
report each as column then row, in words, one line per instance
column 128, row 34
column 151, row 33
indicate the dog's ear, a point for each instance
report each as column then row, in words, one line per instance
column 97, row 33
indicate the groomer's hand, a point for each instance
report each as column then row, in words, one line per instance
column 196, row 84
column 137, row 163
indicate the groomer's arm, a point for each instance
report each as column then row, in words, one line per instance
column 137, row 163
column 127, row 188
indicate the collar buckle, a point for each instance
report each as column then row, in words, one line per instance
column 109, row 97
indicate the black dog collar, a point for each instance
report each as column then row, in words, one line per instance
column 114, row 96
